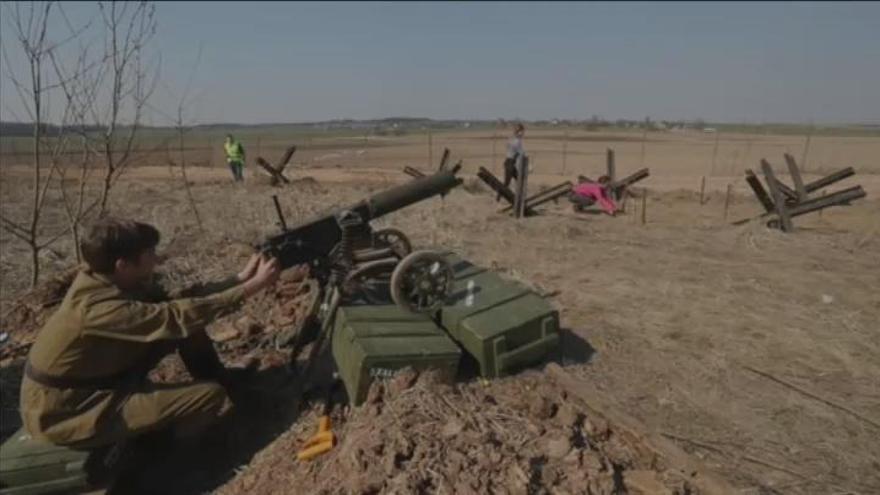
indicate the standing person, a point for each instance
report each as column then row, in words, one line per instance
column 234, row 157
column 514, row 151
column 85, row 382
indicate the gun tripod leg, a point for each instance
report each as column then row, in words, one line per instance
column 326, row 329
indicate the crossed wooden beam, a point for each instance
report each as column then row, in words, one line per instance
column 785, row 202
column 416, row 173
column 531, row 202
column 276, row 174
column 618, row 188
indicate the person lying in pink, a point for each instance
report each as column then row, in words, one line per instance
column 589, row 193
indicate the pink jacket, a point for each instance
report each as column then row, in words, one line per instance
column 598, row 193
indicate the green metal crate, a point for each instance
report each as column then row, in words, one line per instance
column 32, row 467
column 373, row 342
column 501, row 323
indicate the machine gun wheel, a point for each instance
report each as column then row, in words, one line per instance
column 394, row 239
column 421, row 282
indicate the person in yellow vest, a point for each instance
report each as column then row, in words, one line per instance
column 85, row 383
column 234, row 157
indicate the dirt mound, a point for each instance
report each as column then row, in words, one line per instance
column 27, row 314
column 524, row 434
column 259, row 336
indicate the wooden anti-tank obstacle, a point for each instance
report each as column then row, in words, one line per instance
column 784, row 202
column 523, row 205
column 417, row 174
column 276, row 174
column 519, row 202
column 618, row 188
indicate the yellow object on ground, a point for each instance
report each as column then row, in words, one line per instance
column 322, row 442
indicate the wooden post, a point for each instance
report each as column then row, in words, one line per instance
column 413, row 172
column 748, row 149
column 806, row 149
column 755, row 183
column 522, row 166
column 702, row 189
column 644, row 138
column 430, row 149
column 537, row 199
column 611, row 170
column 829, row 179
column 843, row 197
column 635, row 211
column 494, row 161
column 714, row 153
column 644, row 206
column 796, row 178
column 503, row 192
column 609, row 165
column 168, row 156
column 564, row 150
column 778, row 199
column 727, row 201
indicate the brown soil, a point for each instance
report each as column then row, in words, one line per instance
column 517, row 435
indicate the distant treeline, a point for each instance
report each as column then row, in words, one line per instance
column 402, row 125
column 25, row 129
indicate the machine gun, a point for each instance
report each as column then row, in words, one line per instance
column 350, row 260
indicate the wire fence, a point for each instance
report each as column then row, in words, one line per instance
column 552, row 151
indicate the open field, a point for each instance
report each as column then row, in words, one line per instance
column 755, row 351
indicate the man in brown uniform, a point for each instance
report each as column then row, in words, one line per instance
column 85, row 380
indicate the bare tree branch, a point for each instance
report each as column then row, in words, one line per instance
column 30, row 27
column 14, row 228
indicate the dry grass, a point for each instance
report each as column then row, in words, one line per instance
column 675, row 309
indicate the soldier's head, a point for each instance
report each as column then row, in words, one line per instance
column 124, row 250
column 229, row 138
column 519, row 130
column 604, row 180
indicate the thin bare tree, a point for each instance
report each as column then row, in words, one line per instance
column 80, row 97
column 126, row 80
column 29, row 25
column 182, row 125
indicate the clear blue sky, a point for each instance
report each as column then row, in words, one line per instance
column 736, row 62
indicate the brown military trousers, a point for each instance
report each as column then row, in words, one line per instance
column 137, row 406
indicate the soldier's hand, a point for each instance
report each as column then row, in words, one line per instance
column 267, row 272
column 249, row 269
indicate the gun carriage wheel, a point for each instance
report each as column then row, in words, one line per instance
column 421, row 282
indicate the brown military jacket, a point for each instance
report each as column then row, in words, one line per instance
column 100, row 331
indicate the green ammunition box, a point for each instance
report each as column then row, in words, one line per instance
column 373, row 342
column 32, row 467
column 501, row 323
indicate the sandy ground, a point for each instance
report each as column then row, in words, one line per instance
column 756, row 351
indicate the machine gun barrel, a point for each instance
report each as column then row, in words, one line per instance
column 313, row 239
column 417, row 190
